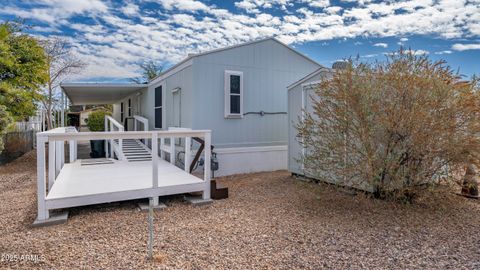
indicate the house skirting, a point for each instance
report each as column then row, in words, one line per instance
column 239, row 160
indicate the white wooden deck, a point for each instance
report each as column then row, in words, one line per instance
column 75, row 180
column 76, row 184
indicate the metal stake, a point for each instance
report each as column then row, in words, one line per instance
column 150, row 228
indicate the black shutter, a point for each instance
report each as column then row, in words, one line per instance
column 158, row 107
column 158, row 96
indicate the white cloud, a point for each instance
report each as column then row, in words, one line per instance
column 130, row 9
column 317, row 3
column 369, row 55
column 54, row 11
column 419, row 52
column 118, row 36
column 414, row 52
column 465, row 47
column 380, row 44
column 444, row 52
column 186, row 5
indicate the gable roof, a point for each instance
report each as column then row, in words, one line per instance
column 309, row 76
column 191, row 56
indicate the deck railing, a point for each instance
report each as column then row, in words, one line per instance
column 141, row 123
column 115, row 145
column 140, row 120
column 56, row 139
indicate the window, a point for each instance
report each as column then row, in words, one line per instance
column 121, row 112
column 158, row 107
column 233, row 94
column 129, row 107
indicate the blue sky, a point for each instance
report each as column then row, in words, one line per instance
column 114, row 37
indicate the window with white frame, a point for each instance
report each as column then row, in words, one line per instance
column 233, row 94
column 158, row 107
column 129, row 107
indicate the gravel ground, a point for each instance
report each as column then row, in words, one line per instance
column 270, row 221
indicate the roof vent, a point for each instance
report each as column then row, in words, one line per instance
column 340, row 65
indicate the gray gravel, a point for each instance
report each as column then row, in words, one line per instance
column 270, row 221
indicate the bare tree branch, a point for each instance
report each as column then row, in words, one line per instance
column 62, row 63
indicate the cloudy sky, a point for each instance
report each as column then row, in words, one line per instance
column 115, row 36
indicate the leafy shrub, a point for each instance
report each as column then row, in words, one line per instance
column 393, row 126
column 96, row 120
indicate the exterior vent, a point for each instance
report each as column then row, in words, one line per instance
column 340, row 65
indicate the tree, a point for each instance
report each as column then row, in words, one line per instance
column 394, row 125
column 150, row 70
column 23, row 69
column 4, row 121
column 61, row 64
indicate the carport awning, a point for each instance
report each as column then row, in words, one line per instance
column 99, row 93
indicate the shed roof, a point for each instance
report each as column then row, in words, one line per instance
column 309, row 76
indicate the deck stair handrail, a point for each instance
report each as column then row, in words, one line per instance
column 115, row 145
column 59, row 136
column 143, row 122
column 140, row 119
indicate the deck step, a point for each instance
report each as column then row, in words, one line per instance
column 133, row 150
column 96, row 161
column 139, row 156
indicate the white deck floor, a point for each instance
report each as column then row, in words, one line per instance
column 75, row 180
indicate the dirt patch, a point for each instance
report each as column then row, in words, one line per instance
column 270, row 221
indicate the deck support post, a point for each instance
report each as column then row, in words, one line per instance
column 58, row 157
column 162, row 143
column 51, row 164
column 42, row 212
column 206, row 170
column 155, row 160
column 111, row 141
column 62, row 154
column 156, row 201
column 172, row 150
column 187, row 158
column 106, row 141
column 72, row 144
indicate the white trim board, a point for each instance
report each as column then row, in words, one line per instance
column 232, row 150
column 309, row 76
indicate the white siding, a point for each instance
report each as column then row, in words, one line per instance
column 268, row 68
column 182, row 80
column 297, row 99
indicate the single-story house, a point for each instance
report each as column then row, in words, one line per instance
column 238, row 92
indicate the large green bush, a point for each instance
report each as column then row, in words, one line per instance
column 96, row 120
